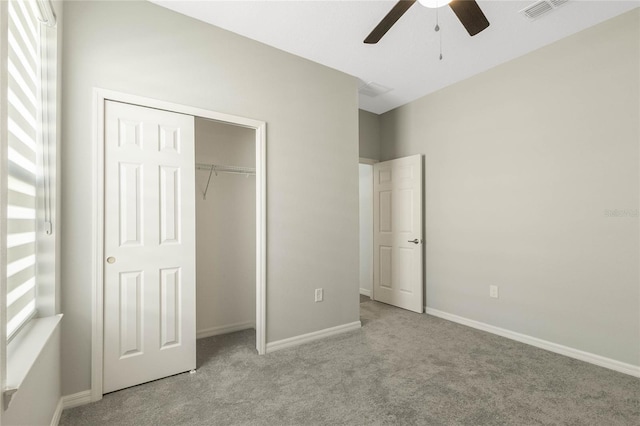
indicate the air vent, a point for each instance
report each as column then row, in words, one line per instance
column 558, row 3
column 540, row 8
column 373, row 89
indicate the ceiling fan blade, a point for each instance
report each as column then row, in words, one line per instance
column 387, row 22
column 470, row 14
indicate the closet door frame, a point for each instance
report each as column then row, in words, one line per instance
column 100, row 96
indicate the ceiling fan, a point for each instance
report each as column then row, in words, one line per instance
column 467, row 11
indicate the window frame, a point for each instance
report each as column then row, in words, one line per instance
column 3, row 202
column 18, row 354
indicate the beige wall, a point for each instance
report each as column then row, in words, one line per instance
column 369, row 134
column 312, row 155
column 225, row 229
column 523, row 163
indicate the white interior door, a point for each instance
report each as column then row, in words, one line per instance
column 149, row 270
column 397, row 232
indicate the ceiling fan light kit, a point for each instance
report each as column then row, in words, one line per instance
column 434, row 3
column 467, row 11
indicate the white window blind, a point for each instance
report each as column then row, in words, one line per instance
column 23, row 127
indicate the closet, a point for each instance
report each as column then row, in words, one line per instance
column 225, row 227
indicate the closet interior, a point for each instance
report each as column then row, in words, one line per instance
column 225, row 228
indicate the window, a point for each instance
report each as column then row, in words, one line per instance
column 30, row 66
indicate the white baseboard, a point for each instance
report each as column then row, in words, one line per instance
column 224, row 329
column 612, row 364
column 55, row 420
column 365, row 292
column 76, row 399
column 309, row 337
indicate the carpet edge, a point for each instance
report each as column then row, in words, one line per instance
column 589, row 357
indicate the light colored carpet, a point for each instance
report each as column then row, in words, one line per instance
column 400, row 368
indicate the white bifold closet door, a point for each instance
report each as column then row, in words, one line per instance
column 149, row 269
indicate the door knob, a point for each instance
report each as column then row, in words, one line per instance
column 111, row 259
column 414, row 241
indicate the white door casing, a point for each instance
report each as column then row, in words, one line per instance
column 366, row 228
column 149, row 245
column 397, row 237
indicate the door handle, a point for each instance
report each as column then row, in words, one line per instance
column 414, row 241
column 111, row 259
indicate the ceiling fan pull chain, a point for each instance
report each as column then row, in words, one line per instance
column 437, row 29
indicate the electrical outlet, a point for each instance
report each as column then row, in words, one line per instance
column 319, row 295
column 493, row 291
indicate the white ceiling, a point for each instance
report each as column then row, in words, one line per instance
column 331, row 32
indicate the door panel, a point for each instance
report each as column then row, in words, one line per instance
column 149, row 273
column 131, row 313
column 169, row 205
column 385, row 211
column 170, row 287
column 385, row 267
column 130, row 197
column 397, row 198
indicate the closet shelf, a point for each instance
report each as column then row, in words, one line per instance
column 219, row 168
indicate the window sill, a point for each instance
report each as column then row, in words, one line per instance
column 24, row 350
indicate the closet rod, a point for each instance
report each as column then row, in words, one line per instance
column 215, row 168
column 226, row 169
